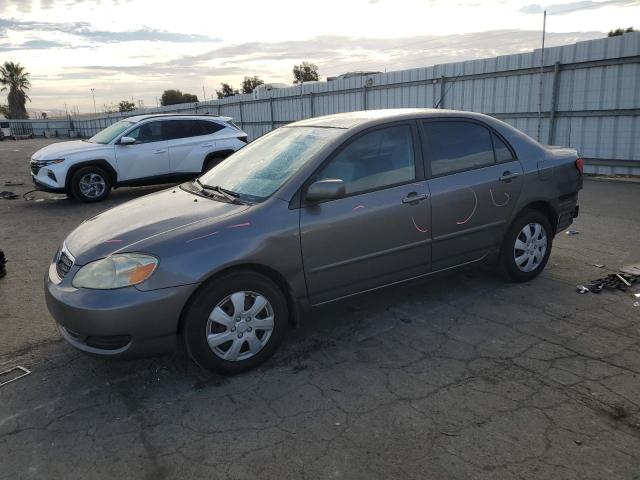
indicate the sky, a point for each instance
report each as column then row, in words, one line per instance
column 135, row 49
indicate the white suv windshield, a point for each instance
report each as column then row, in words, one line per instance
column 259, row 169
column 111, row 132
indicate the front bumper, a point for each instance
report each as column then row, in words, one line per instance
column 46, row 188
column 48, row 178
column 122, row 323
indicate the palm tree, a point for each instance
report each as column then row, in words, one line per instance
column 14, row 77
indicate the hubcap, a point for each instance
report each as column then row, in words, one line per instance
column 92, row 185
column 240, row 326
column 530, row 247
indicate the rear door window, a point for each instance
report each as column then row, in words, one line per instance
column 174, row 129
column 454, row 146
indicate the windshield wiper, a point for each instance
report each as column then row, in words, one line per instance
column 233, row 197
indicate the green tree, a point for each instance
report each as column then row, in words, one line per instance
column 14, row 77
column 249, row 84
column 126, row 106
column 173, row 97
column 226, row 91
column 620, row 31
column 305, row 72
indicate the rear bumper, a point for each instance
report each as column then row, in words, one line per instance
column 121, row 323
column 567, row 209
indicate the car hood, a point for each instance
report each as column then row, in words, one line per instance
column 60, row 149
column 140, row 223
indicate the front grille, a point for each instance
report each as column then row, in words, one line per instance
column 35, row 168
column 63, row 265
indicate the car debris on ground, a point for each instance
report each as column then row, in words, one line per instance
column 572, row 232
column 614, row 281
column 3, row 263
column 7, row 195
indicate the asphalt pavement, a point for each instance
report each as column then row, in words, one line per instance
column 461, row 376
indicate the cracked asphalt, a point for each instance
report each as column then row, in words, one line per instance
column 460, row 376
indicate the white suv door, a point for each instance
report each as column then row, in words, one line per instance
column 189, row 143
column 148, row 157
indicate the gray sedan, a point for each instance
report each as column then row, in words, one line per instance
column 311, row 213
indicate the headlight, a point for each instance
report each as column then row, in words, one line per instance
column 116, row 271
column 45, row 163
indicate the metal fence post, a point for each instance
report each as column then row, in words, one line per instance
column 443, row 80
column 554, row 104
column 271, row 112
column 240, row 107
column 311, row 105
column 364, row 97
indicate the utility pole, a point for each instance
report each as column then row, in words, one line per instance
column 95, row 110
column 204, row 94
column 540, row 86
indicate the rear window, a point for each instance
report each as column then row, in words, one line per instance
column 503, row 154
column 209, row 128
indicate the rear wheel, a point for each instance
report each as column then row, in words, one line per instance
column 90, row 184
column 235, row 322
column 527, row 246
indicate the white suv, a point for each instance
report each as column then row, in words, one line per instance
column 140, row 150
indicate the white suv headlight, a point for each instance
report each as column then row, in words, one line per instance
column 116, row 271
column 46, row 163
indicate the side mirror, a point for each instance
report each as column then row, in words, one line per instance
column 328, row 189
column 127, row 141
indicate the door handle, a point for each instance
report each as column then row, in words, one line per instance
column 414, row 197
column 161, row 150
column 508, row 176
column 207, row 145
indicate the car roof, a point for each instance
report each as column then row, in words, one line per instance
column 372, row 117
column 167, row 116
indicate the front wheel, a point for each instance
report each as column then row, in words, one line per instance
column 527, row 246
column 235, row 322
column 90, row 184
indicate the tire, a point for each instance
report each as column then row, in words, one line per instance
column 524, row 264
column 211, row 314
column 90, row 184
column 209, row 163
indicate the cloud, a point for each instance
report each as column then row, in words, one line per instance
column 33, row 45
column 84, row 30
column 566, row 8
column 26, row 6
column 333, row 54
column 336, row 54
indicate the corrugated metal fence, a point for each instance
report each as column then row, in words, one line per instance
column 590, row 99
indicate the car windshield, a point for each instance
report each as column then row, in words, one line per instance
column 259, row 169
column 108, row 134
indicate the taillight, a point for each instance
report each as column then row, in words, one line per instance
column 580, row 165
column 243, row 139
